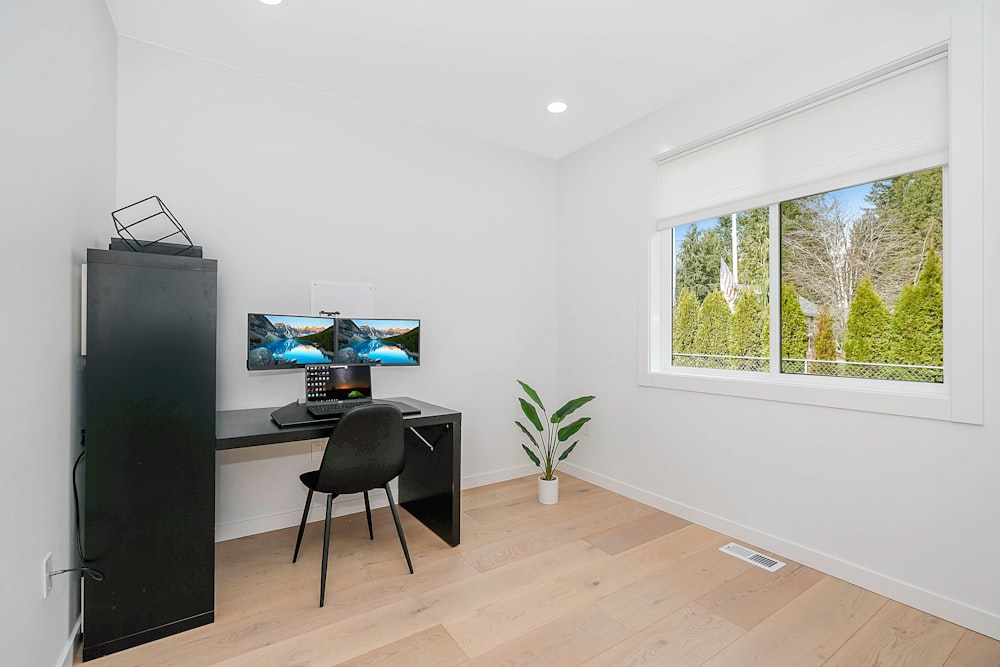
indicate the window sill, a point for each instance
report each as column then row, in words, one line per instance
column 924, row 401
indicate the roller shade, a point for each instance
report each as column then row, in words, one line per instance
column 889, row 123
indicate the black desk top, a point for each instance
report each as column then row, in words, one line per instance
column 247, row 428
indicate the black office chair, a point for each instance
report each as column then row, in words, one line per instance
column 365, row 452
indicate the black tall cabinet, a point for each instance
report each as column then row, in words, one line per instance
column 150, row 447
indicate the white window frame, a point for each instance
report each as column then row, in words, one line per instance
column 960, row 397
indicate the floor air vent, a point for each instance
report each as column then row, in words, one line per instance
column 751, row 556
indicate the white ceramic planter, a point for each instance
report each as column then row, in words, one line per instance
column 548, row 491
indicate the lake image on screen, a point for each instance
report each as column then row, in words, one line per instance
column 278, row 341
column 294, row 351
column 384, row 342
column 377, row 351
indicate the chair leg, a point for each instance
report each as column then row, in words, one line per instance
column 326, row 549
column 302, row 526
column 368, row 512
column 399, row 528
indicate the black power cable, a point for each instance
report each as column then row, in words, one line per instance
column 91, row 572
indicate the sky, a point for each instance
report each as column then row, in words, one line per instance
column 386, row 324
column 302, row 322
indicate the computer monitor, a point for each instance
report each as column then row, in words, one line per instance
column 378, row 341
column 289, row 341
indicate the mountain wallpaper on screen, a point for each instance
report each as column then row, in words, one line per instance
column 269, row 340
column 362, row 342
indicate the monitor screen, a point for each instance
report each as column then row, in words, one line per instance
column 338, row 383
column 289, row 341
column 293, row 341
column 384, row 342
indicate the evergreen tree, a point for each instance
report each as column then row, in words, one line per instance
column 713, row 328
column 753, row 253
column 698, row 261
column 749, row 332
column 868, row 328
column 905, row 214
column 915, row 201
column 918, row 320
column 794, row 333
column 825, row 344
column 724, row 228
column 685, row 322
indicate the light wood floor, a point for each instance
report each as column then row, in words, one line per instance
column 595, row 580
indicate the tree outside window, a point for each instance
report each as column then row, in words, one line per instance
column 861, row 285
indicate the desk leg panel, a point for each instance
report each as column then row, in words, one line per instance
column 430, row 485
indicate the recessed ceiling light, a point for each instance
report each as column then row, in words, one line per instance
column 272, row 2
column 557, row 107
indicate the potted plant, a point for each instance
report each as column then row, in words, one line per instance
column 548, row 437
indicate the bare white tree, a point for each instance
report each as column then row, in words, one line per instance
column 826, row 252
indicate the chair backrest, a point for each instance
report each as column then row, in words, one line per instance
column 365, row 450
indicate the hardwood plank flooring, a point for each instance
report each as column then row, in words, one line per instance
column 899, row 635
column 597, row 579
column 689, row 636
column 806, row 631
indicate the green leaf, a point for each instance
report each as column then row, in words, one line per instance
column 567, row 451
column 571, row 406
column 529, row 434
column 531, row 414
column 531, row 455
column 532, row 394
column 567, row 431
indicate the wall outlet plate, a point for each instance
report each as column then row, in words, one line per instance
column 46, row 575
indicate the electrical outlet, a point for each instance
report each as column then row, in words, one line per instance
column 46, row 575
column 318, row 448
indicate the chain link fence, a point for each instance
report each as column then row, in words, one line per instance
column 723, row 362
column 870, row 371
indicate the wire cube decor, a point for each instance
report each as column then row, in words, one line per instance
column 156, row 219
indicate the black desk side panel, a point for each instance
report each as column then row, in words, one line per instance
column 149, row 510
column 430, row 486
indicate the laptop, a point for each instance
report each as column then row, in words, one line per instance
column 333, row 390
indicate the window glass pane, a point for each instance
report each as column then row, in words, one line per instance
column 862, row 283
column 720, row 295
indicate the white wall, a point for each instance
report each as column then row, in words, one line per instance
column 285, row 185
column 901, row 505
column 57, row 83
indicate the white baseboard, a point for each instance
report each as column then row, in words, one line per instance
column 342, row 506
column 957, row 612
column 347, row 505
column 66, row 657
column 482, row 479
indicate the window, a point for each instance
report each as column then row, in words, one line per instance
column 720, row 314
column 861, row 285
column 880, row 174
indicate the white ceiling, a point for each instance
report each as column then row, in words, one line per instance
column 487, row 68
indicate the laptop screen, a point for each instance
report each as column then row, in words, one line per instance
column 338, row 383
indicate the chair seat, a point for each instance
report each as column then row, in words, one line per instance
column 310, row 478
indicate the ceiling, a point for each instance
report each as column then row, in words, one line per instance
column 487, row 68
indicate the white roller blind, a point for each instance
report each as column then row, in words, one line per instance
column 891, row 123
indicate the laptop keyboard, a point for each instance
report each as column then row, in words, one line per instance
column 333, row 409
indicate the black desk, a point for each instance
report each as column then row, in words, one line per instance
column 430, row 484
